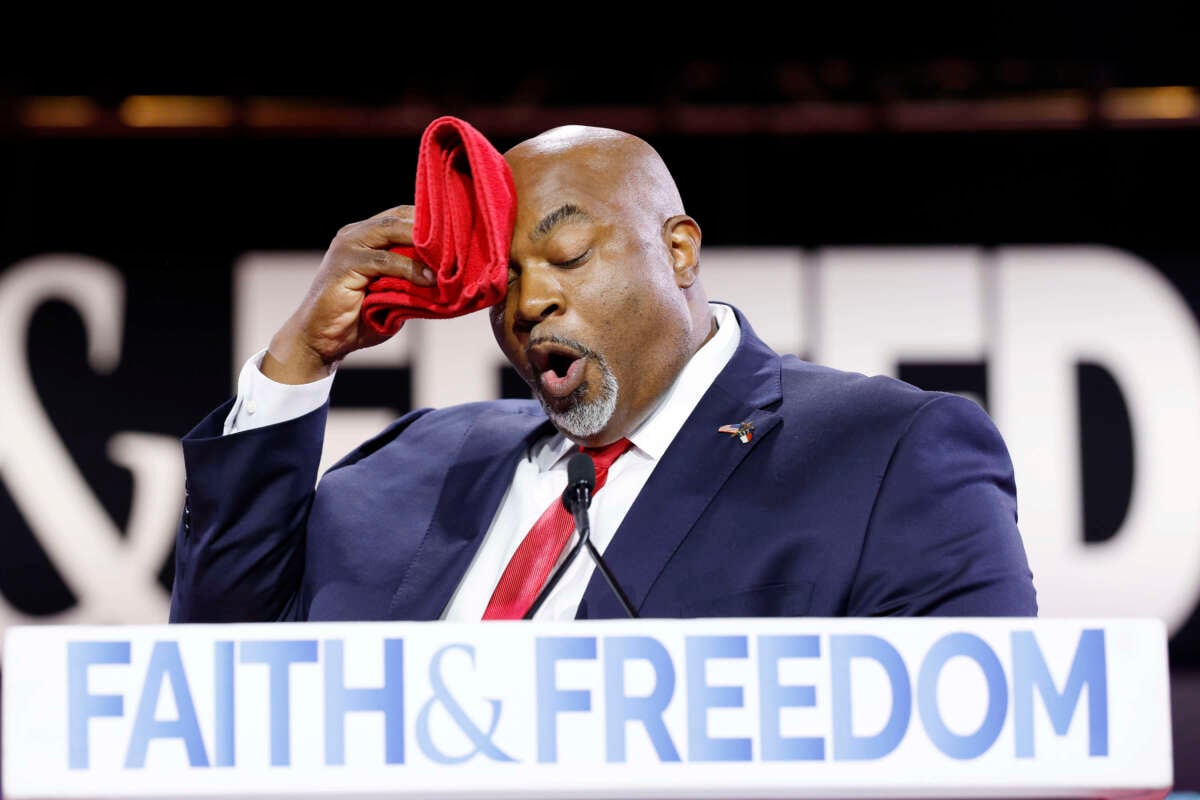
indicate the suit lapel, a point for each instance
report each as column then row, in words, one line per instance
column 480, row 473
column 690, row 474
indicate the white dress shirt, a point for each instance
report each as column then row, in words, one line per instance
column 540, row 477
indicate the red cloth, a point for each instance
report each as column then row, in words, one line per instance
column 538, row 552
column 465, row 209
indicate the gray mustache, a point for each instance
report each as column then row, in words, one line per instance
column 578, row 347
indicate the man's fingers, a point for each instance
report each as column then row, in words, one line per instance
column 386, row 229
column 383, row 262
column 364, row 248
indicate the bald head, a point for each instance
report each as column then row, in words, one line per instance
column 613, row 161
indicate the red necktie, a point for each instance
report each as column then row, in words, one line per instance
column 538, row 552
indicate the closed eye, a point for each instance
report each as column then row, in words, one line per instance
column 574, row 262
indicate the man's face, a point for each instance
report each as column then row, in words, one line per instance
column 593, row 319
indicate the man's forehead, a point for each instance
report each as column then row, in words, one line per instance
column 563, row 196
column 586, row 164
column 588, row 169
column 546, row 174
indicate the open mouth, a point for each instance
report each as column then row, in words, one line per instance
column 559, row 368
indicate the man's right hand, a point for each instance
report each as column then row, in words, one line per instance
column 328, row 325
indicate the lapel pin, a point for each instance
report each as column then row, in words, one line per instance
column 744, row 431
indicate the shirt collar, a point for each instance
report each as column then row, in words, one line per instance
column 655, row 433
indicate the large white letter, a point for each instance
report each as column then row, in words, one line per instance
column 1061, row 305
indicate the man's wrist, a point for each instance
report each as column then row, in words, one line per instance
column 289, row 360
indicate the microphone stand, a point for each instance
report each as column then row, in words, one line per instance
column 585, row 530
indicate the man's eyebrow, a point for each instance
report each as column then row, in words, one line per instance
column 565, row 212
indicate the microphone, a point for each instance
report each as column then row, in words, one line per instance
column 577, row 498
column 581, row 479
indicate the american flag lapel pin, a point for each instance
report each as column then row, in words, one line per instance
column 743, row 431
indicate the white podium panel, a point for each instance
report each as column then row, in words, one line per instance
column 639, row 708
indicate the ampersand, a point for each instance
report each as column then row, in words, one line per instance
column 442, row 696
column 113, row 576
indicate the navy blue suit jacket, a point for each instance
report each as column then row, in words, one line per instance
column 856, row 496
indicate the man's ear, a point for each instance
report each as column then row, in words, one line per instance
column 683, row 238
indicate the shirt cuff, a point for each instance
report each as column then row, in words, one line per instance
column 261, row 401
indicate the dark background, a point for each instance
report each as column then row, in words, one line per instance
column 1052, row 137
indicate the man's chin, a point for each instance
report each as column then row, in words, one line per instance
column 579, row 416
column 564, row 404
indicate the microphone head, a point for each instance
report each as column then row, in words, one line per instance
column 581, row 470
column 581, row 479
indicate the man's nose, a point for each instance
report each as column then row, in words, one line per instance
column 539, row 296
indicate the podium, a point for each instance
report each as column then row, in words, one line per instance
column 745, row 708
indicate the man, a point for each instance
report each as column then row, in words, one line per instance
column 749, row 484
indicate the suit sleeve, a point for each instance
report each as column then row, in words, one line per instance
column 239, row 553
column 942, row 538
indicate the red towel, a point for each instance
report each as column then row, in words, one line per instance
column 465, row 210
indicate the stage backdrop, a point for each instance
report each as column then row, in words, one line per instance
column 1052, row 277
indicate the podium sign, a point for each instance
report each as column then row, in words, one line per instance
column 637, row 708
